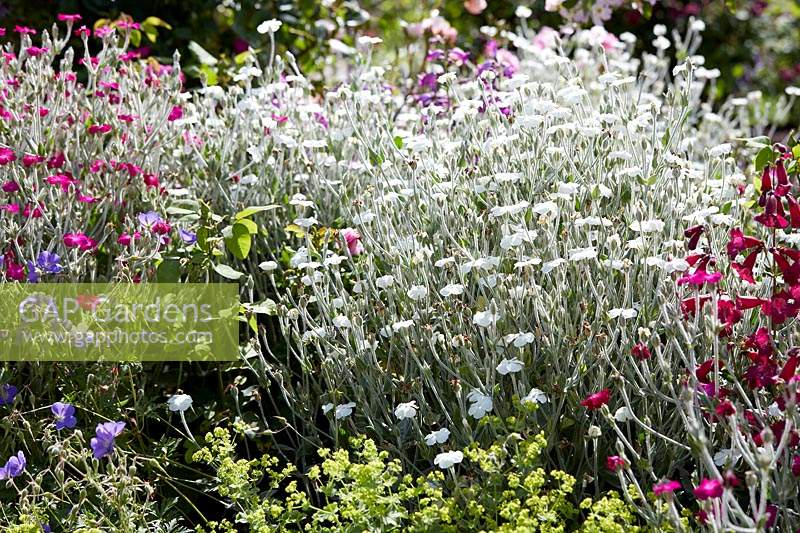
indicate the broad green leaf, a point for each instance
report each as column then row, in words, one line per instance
column 251, row 226
column 764, row 157
column 240, row 240
column 168, row 271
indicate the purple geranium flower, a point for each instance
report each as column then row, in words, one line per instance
column 7, row 393
column 46, row 263
column 149, row 219
column 65, row 415
column 187, row 236
column 14, row 466
column 103, row 443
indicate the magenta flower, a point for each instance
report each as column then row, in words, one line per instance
column 745, row 268
column 10, row 186
column 353, row 240
column 739, row 243
column 597, row 400
column 708, row 488
column 80, row 241
column 67, row 17
column 175, row 113
column 30, row 159
column 614, row 462
column 35, row 51
column 100, row 129
column 666, row 487
column 7, row 156
column 700, row 276
column 796, row 465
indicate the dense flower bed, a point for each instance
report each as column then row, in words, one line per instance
column 553, row 288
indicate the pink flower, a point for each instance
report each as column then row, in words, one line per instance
column 7, row 156
column 151, row 181
column 700, row 276
column 614, row 462
column 353, row 240
column 708, row 488
column 666, row 487
column 56, row 161
column 95, row 129
column 10, row 186
column 35, row 51
column 66, row 17
column 175, row 114
column 475, row 7
column 30, row 159
column 546, row 38
column 62, row 180
column 597, row 400
column 80, row 241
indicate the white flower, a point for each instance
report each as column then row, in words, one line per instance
column 523, row 12
column 623, row 414
column 341, row 48
column 342, row 321
column 523, row 339
column 720, row 150
column 453, row 289
column 481, row 404
column 484, row 319
column 579, row 254
column 446, row 460
column 326, row 408
column 624, row 313
column 417, row 292
column 647, row 226
column 510, row 366
column 725, row 454
column 268, row 266
column 439, row 436
column 179, row 402
column 535, row 396
column 550, row 265
column 269, row 26
column 384, row 281
column 306, row 222
column 406, row 410
column 343, row 410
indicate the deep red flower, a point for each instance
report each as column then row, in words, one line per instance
column 28, row 160
column 10, row 186
column 779, row 308
column 761, row 374
column 100, row 129
column 760, row 341
column 640, row 351
column 704, row 369
column 745, row 268
column 693, row 234
column 773, row 215
column 739, row 242
column 689, row 305
column 596, row 400
column 796, row 465
column 725, row 408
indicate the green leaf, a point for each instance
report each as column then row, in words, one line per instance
column 155, row 21
column 251, row 226
column 239, row 242
column 398, row 142
column 136, row 37
column 764, row 157
column 267, row 307
column 168, row 271
column 252, row 210
column 227, row 272
column 796, row 151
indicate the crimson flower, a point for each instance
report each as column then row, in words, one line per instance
column 725, row 408
column 640, row 351
column 596, row 400
column 745, row 268
column 101, row 129
column 708, row 488
column 693, row 234
column 7, row 156
column 80, row 241
column 773, row 215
